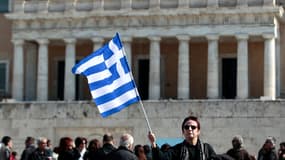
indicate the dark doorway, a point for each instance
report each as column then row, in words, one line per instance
column 229, row 78
column 60, row 81
column 143, row 78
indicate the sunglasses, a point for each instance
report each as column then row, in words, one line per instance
column 186, row 127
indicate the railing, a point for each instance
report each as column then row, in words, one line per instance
column 31, row 6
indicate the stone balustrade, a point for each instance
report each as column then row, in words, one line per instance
column 35, row 6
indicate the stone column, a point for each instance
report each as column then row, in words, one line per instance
column 278, row 66
column 128, row 49
column 269, row 67
column 242, row 66
column 269, row 2
column 31, row 52
column 98, row 5
column 126, row 4
column 154, row 68
column 213, row 67
column 183, row 68
column 212, row 3
column 42, row 76
column 43, row 6
column 154, row 4
column 97, row 42
column 69, row 79
column 18, row 6
column 183, row 3
column 70, row 6
column 242, row 3
column 18, row 70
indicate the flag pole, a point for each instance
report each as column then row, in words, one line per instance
column 140, row 101
column 145, row 115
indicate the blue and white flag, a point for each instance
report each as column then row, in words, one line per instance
column 110, row 81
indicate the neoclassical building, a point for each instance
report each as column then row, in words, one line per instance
column 177, row 49
column 220, row 60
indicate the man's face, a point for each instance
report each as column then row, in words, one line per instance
column 43, row 144
column 190, row 130
column 268, row 145
column 236, row 144
column 282, row 147
column 82, row 145
column 10, row 144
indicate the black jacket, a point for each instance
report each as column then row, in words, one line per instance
column 69, row 155
column 40, row 155
column 238, row 154
column 122, row 153
column 100, row 154
column 264, row 154
column 175, row 153
column 27, row 152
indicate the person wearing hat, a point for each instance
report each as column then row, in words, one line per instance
column 268, row 151
column 238, row 152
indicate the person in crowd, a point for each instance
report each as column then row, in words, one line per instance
column 50, row 149
column 6, row 148
column 108, row 146
column 165, row 147
column 29, row 148
column 124, row 151
column 252, row 157
column 92, row 149
column 66, row 149
column 281, row 151
column 139, row 152
column 80, row 145
column 147, row 151
column 268, row 151
column 238, row 152
column 41, row 152
column 13, row 155
column 191, row 148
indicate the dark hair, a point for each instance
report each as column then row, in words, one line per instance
column 136, row 149
column 6, row 140
column 190, row 118
column 30, row 140
column 147, row 149
column 64, row 143
column 107, row 138
column 165, row 147
column 94, row 145
column 79, row 140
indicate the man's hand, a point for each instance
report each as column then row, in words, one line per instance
column 151, row 138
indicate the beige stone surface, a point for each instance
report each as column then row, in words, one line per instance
column 220, row 121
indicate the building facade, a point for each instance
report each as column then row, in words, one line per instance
column 183, row 49
column 186, row 56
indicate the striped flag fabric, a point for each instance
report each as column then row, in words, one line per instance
column 110, row 81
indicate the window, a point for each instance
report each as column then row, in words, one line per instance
column 4, row 78
column 4, row 6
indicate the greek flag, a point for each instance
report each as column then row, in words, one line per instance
column 110, row 80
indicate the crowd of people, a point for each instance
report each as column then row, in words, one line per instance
column 192, row 148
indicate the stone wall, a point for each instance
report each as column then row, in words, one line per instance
column 220, row 121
